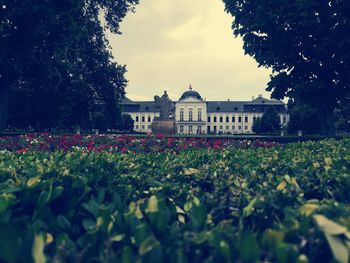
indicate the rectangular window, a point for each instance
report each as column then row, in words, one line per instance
column 137, row 118
column 208, row 119
column 143, row 127
column 227, row 128
column 190, row 115
column 221, row 119
column 190, row 129
column 233, row 127
column 199, row 115
column 149, row 119
column 199, row 129
column 246, row 127
column 246, row 119
column 233, row 119
column 239, row 127
column 181, row 128
column 214, row 128
column 227, row 119
column 214, row 119
column 220, row 127
column 136, row 127
column 239, row 119
column 284, row 119
column 182, row 115
column 149, row 126
column 143, row 118
column 208, row 128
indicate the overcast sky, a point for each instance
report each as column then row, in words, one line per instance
column 169, row 44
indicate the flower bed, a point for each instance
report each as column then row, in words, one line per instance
column 124, row 143
column 281, row 204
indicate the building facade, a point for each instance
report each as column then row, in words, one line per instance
column 195, row 115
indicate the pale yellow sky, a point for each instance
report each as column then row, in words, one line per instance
column 168, row 44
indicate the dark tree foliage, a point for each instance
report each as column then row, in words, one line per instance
column 128, row 123
column 303, row 117
column 268, row 123
column 306, row 43
column 56, row 69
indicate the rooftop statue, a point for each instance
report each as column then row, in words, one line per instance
column 166, row 107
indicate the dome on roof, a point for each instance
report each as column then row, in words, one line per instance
column 191, row 93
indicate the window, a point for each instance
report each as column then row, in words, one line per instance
column 254, row 119
column 181, row 128
column 208, row 119
column 227, row 128
column 136, row 127
column 199, row 129
column 199, row 115
column 149, row 119
column 190, row 115
column 214, row 119
column 143, row 127
column 227, row 119
column 220, row 127
column 208, row 128
column 246, row 127
column 143, row 118
column 149, row 126
column 233, row 127
column 284, row 119
column 190, row 129
column 246, row 119
column 239, row 127
column 214, row 128
column 182, row 115
column 233, row 119
column 221, row 119
column 137, row 118
column 218, row 108
column 236, row 108
column 239, row 119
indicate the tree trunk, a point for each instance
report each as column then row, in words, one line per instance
column 327, row 121
column 4, row 103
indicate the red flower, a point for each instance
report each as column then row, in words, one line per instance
column 22, row 151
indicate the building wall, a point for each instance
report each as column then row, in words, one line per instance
column 210, row 122
column 191, row 124
column 143, row 120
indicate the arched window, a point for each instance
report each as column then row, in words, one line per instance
column 181, row 115
column 199, row 115
column 190, row 115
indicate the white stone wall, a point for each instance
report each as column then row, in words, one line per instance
column 186, row 125
column 143, row 120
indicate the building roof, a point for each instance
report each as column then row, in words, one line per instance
column 225, row 106
column 261, row 100
column 190, row 93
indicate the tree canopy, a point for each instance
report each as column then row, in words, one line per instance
column 268, row 123
column 306, row 43
column 56, row 68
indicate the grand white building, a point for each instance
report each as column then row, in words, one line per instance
column 195, row 115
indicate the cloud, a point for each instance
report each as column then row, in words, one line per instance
column 167, row 45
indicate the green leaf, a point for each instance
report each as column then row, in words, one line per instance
column 248, row 210
column 249, row 248
column 9, row 243
column 6, row 200
column 38, row 249
column 147, row 245
column 152, row 204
